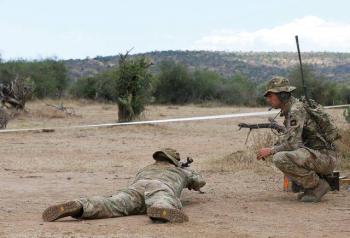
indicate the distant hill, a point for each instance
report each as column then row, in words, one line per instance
column 257, row 66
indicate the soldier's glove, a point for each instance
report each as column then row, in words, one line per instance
column 196, row 186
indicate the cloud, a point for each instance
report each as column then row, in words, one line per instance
column 315, row 34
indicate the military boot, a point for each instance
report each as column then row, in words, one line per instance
column 306, row 192
column 72, row 208
column 159, row 214
column 317, row 193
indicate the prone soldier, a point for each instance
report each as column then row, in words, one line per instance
column 155, row 191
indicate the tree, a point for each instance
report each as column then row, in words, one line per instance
column 16, row 93
column 48, row 77
column 133, row 85
column 205, row 85
column 174, row 83
column 238, row 90
column 318, row 88
column 178, row 85
column 100, row 87
column 85, row 88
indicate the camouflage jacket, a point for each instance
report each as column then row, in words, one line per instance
column 301, row 129
column 174, row 177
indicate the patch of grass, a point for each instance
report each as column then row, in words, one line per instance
column 245, row 159
column 343, row 146
column 108, row 107
column 47, row 113
column 211, row 104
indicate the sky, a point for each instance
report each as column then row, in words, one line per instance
column 65, row 29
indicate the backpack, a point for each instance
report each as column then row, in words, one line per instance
column 325, row 125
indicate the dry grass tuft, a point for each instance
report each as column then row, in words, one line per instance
column 40, row 114
column 46, row 110
column 109, row 107
column 344, row 149
column 245, row 159
column 54, row 109
column 48, row 113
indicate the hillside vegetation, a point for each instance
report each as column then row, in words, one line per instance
column 180, row 77
column 256, row 66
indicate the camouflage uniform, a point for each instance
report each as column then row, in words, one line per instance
column 158, row 185
column 300, row 152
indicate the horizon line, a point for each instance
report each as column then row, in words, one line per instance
column 56, row 58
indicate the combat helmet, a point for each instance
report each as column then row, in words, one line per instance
column 169, row 154
column 278, row 84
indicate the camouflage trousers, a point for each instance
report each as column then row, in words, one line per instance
column 303, row 165
column 132, row 201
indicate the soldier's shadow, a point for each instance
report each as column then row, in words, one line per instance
column 70, row 220
column 192, row 202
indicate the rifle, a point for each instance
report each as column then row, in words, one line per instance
column 273, row 125
column 189, row 161
column 252, row 126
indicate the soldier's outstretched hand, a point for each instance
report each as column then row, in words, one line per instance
column 263, row 153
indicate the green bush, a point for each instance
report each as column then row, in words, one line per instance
column 324, row 91
column 205, row 86
column 176, row 84
column 84, row 88
column 133, row 86
column 101, row 87
column 238, row 90
column 106, row 86
column 48, row 77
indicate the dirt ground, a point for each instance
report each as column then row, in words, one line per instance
column 42, row 169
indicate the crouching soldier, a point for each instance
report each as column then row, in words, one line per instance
column 155, row 191
column 304, row 153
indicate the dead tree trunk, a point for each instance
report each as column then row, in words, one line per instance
column 4, row 118
column 14, row 94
